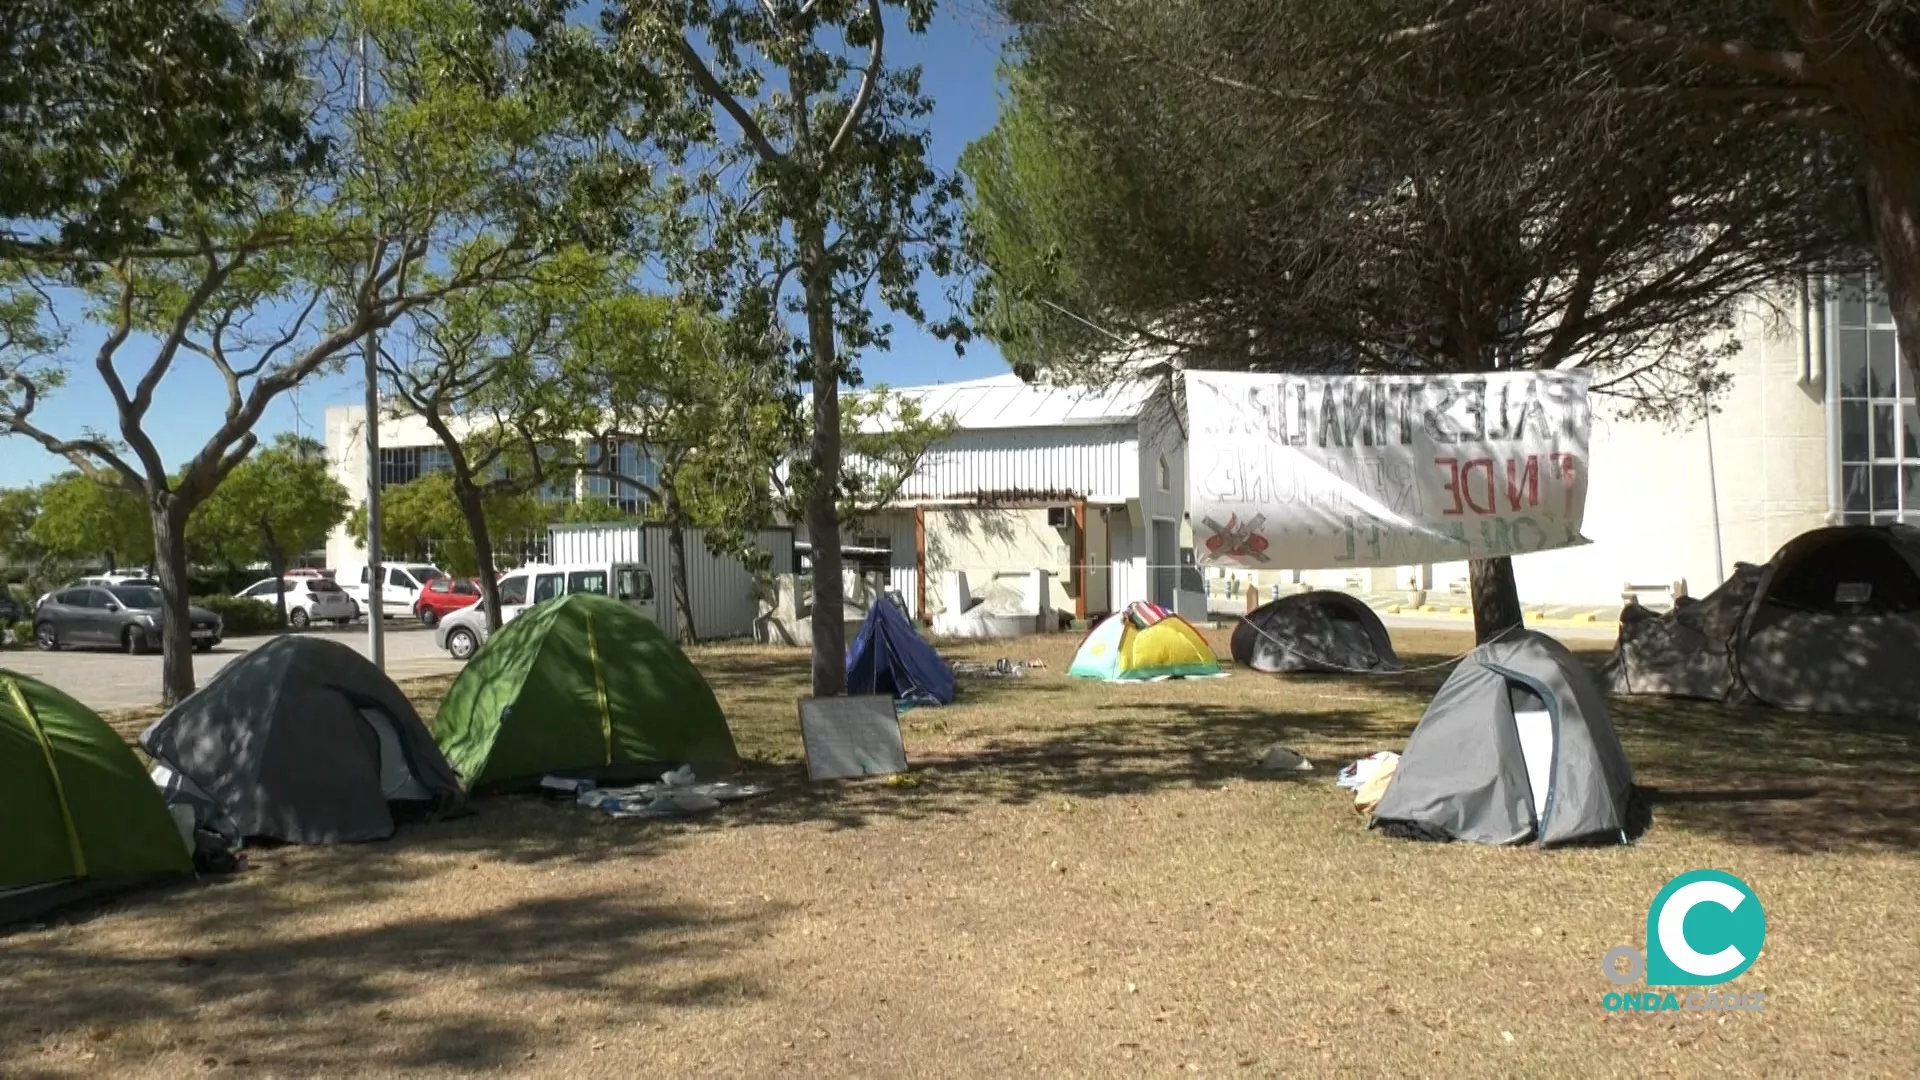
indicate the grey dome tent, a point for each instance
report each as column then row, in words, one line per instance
column 302, row 740
column 1516, row 746
column 1830, row 624
column 1322, row 630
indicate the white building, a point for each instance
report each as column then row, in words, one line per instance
column 410, row 450
column 1089, row 485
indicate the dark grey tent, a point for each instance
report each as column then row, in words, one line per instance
column 1516, row 746
column 1830, row 624
column 1321, row 630
column 302, row 740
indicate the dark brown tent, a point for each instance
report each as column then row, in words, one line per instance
column 1830, row 624
column 1314, row 631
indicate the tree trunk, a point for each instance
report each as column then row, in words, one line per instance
column 823, row 515
column 1893, row 208
column 1496, row 599
column 277, row 563
column 475, row 512
column 176, row 623
column 677, row 556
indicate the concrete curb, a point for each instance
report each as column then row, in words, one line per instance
column 1585, row 620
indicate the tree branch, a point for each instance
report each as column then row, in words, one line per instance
column 1678, row 44
column 86, row 454
column 863, row 96
column 704, row 79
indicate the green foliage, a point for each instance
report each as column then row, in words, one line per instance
column 83, row 519
column 278, row 504
column 22, row 632
column 424, row 516
column 886, row 436
column 18, row 509
column 242, row 615
column 114, row 107
column 1330, row 202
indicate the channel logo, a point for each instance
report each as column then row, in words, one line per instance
column 1704, row 928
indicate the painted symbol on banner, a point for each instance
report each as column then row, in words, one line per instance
column 1237, row 541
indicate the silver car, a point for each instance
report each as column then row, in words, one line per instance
column 114, row 616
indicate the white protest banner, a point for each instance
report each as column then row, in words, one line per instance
column 1314, row 472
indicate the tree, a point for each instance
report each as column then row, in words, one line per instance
column 276, row 505
column 887, row 436
column 1158, row 191
column 657, row 373
column 84, row 519
column 486, row 376
column 423, row 517
column 806, row 182
column 1845, row 69
column 436, row 189
column 111, row 109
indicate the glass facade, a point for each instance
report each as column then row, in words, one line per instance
column 629, row 459
column 405, row 464
column 1879, row 426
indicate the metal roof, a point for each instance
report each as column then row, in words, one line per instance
column 1004, row 401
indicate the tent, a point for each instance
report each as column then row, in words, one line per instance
column 78, row 815
column 1830, row 624
column 1145, row 641
column 1321, row 630
column 888, row 657
column 582, row 685
column 304, row 741
column 1516, row 746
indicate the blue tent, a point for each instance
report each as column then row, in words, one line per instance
column 888, row 657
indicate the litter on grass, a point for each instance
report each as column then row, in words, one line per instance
column 675, row 795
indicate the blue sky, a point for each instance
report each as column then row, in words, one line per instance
column 958, row 57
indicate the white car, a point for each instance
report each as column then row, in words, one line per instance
column 400, row 585
column 463, row 632
column 309, row 600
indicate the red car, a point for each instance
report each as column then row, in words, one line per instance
column 443, row 596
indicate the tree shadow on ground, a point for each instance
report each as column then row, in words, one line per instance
column 1123, row 750
column 299, row 957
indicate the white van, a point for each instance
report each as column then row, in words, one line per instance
column 463, row 632
column 399, row 589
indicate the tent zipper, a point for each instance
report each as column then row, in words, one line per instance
column 74, row 849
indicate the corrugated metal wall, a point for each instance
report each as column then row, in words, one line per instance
column 720, row 589
column 1100, row 463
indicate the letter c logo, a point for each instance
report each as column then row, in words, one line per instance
column 1673, row 929
column 1704, row 928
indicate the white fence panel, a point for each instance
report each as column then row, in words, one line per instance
column 720, row 589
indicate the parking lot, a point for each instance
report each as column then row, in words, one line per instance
column 110, row 680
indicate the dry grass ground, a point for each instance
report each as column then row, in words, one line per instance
column 1089, row 879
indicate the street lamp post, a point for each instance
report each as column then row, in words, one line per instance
column 376, row 570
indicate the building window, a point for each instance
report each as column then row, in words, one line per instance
column 1165, row 474
column 405, row 464
column 630, row 459
column 1879, row 427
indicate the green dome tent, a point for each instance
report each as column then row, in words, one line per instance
column 78, row 815
column 581, row 685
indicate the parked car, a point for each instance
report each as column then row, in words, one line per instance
column 106, row 581
column 122, row 616
column 399, row 589
column 463, row 632
column 444, row 596
column 309, row 600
